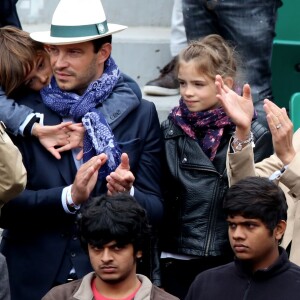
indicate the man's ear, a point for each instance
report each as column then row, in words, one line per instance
column 229, row 82
column 104, row 52
column 279, row 230
column 139, row 254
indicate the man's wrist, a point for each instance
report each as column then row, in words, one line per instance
column 66, row 198
column 70, row 203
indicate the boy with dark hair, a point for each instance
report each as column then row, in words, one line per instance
column 114, row 230
column 256, row 212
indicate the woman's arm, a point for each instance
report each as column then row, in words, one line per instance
column 12, row 171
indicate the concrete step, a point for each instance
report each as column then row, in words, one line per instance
column 163, row 104
column 142, row 51
column 130, row 12
column 139, row 12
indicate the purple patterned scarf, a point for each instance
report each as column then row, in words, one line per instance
column 206, row 127
column 98, row 137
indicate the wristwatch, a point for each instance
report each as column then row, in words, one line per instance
column 278, row 173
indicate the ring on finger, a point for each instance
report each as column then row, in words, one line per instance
column 278, row 126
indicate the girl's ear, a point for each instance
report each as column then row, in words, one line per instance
column 228, row 81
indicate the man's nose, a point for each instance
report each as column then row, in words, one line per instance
column 238, row 233
column 106, row 255
column 59, row 60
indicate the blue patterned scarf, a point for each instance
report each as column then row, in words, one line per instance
column 98, row 137
column 206, row 127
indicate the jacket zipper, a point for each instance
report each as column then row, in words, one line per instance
column 211, row 218
column 214, row 203
column 247, row 290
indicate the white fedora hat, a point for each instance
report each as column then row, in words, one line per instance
column 76, row 21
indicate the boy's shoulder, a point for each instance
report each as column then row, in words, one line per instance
column 218, row 273
column 159, row 294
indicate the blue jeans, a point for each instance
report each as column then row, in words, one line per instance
column 250, row 26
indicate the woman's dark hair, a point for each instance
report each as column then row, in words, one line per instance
column 258, row 198
column 114, row 218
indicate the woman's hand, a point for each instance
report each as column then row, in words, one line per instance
column 281, row 128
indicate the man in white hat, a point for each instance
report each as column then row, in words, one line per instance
column 122, row 141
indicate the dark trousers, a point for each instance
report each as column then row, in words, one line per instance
column 250, row 26
column 9, row 14
column 177, row 275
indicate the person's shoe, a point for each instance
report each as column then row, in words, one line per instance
column 166, row 84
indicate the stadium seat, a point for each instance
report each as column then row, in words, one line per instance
column 295, row 110
column 286, row 54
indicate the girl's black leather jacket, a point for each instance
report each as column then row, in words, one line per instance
column 194, row 187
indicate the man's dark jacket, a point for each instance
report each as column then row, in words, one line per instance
column 40, row 241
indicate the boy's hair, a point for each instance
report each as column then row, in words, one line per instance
column 258, row 198
column 212, row 56
column 114, row 218
column 17, row 55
